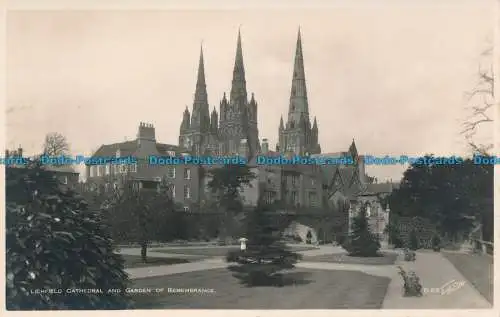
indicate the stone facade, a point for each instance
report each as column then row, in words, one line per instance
column 222, row 133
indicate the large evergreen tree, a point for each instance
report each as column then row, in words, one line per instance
column 266, row 255
column 54, row 242
column 362, row 242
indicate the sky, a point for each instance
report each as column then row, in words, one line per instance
column 393, row 77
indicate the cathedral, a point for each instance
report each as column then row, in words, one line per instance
column 236, row 126
column 233, row 130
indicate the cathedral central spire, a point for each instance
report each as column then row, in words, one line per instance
column 238, row 88
column 298, row 96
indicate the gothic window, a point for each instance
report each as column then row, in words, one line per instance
column 368, row 210
column 187, row 143
column 294, row 198
column 292, row 125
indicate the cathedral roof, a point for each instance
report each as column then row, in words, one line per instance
column 381, row 188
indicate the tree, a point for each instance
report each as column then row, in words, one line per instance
column 227, row 183
column 55, row 144
column 413, row 243
column 394, row 232
column 449, row 196
column 141, row 214
column 481, row 100
column 362, row 242
column 55, row 242
column 266, row 255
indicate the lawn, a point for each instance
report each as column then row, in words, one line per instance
column 134, row 261
column 477, row 269
column 386, row 259
column 313, row 289
column 214, row 251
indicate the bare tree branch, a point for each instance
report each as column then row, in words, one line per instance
column 55, row 144
column 482, row 99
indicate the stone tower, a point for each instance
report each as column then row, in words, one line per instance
column 297, row 136
column 196, row 126
column 238, row 115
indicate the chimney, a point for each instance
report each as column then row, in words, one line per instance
column 146, row 132
column 20, row 151
column 265, row 146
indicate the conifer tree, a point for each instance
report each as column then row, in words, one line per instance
column 266, row 255
column 413, row 243
column 362, row 242
column 54, row 242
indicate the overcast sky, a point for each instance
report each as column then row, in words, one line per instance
column 393, row 77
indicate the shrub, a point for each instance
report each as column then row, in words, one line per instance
column 361, row 241
column 411, row 283
column 413, row 243
column 53, row 242
column 436, row 243
column 409, row 255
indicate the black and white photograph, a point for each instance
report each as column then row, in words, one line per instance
column 265, row 158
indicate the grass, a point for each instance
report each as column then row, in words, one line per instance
column 134, row 261
column 214, row 251
column 386, row 259
column 314, row 289
column 477, row 269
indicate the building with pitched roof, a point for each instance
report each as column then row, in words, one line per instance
column 66, row 175
column 183, row 179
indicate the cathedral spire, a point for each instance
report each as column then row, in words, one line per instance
column 200, row 82
column 238, row 88
column 298, row 95
column 201, row 111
